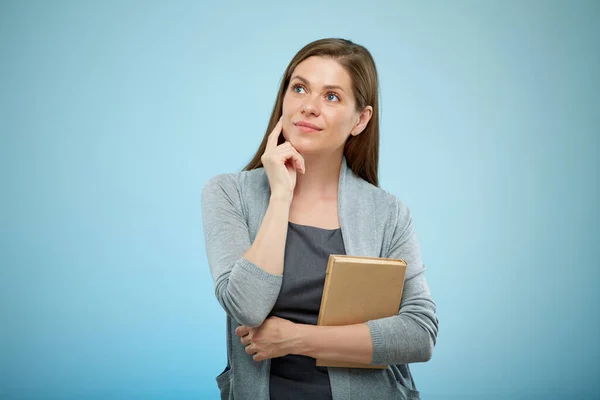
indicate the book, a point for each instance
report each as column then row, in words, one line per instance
column 360, row 289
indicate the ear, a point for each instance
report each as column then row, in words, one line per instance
column 363, row 120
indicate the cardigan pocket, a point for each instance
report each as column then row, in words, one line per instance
column 409, row 393
column 224, row 384
column 404, row 381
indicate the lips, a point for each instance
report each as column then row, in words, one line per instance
column 307, row 127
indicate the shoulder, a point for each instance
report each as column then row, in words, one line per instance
column 235, row 185
column 383, row 201
column 394, row 215
column 399, row 210
column 398, row 213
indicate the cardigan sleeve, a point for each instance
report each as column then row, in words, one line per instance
column 410, row 335
column 246, row 292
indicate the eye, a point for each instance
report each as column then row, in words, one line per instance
column 333, row 97
column 298, row 88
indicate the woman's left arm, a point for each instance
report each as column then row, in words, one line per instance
column 407, row 337
column 404, row 338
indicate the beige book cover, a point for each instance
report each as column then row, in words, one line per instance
column 360, row 289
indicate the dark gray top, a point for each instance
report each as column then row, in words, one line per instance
column 307, row 251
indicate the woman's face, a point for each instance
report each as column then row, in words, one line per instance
column 319, row 108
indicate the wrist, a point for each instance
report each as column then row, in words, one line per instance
column 281, row 197
column 302, row 340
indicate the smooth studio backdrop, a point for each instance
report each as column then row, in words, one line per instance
column 113, row 115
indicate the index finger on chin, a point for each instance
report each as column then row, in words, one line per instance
column 274, row 135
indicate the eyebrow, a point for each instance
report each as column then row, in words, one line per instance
column 305, row 81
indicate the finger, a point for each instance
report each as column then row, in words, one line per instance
column 292, row 160
column 241, row 330
column 258, row 357
column 245, row 340
column 251, row 350
column 274, row 135
column 298, row 160
column 285, row 145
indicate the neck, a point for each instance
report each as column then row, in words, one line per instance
column 321, row 178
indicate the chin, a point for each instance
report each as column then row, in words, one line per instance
column 305, row 145
column 305, row 148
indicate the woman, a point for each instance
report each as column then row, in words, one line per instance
column 310, row 191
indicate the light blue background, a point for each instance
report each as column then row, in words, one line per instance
column 114, row 114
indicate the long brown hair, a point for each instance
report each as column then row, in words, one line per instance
column 361, row 151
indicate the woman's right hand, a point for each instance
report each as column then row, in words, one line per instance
column 281, row 164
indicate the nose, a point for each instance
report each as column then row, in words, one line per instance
column 311, row 106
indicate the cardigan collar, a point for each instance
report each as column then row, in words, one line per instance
column 354, row 213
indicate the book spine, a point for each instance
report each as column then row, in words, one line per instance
column 328, row 271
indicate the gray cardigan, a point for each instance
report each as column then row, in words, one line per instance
column 373, row 223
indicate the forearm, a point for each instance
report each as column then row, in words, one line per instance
column 338, row 343
column 405, row 338
column 268, row 249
